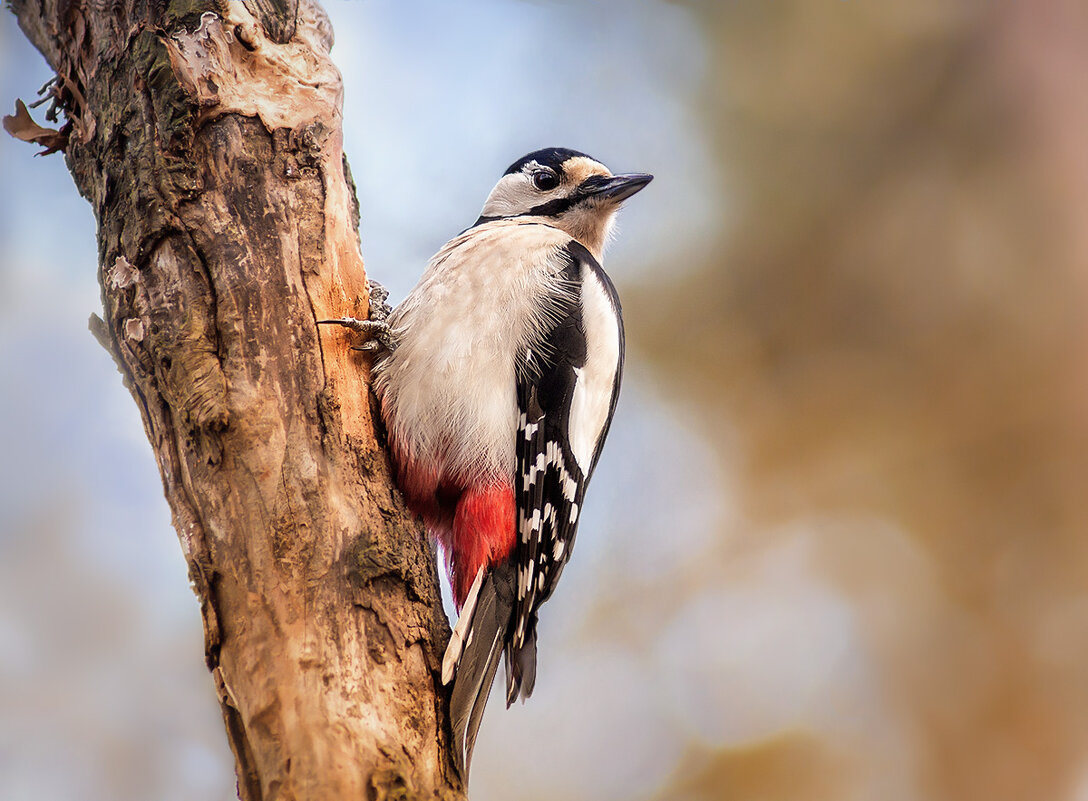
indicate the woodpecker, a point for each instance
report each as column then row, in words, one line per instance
column 497, row 377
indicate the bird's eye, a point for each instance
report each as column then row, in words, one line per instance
column 545, row 180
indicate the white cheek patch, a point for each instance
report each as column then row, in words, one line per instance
column 510, row 195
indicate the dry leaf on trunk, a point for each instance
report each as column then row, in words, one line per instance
column 22, row 126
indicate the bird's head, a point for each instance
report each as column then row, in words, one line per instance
column 568, row 189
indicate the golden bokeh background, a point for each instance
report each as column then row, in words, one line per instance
column 890, row 330
column 837, row 546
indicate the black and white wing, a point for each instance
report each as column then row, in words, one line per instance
column 567, row 389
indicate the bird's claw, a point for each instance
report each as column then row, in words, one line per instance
column 377, row 334
column 368, row 328
column 375, row 331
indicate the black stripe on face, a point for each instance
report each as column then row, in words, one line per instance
column 553, row 208
column 560, row 205
column 583, row 192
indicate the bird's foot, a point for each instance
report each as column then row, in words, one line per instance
column 375, row 332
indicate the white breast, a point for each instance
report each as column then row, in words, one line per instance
column 449, row 387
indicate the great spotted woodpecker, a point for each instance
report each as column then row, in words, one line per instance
column 498, row 377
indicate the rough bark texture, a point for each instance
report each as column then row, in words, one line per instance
column 207, row 138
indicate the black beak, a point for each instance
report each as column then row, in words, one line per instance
column 618, row 187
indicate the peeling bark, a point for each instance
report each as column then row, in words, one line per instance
column 207, row 137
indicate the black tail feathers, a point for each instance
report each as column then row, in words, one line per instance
column 486, row 640
column 521, row 667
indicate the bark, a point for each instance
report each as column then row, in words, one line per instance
column 207, row 137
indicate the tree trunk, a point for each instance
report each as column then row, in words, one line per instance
column 207, row 136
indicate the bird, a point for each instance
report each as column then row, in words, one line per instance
column 497, row 378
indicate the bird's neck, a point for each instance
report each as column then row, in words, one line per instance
column 591, row 228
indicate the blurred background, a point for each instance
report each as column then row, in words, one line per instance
column 835, row 548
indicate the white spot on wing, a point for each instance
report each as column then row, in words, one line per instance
column 595, row 381
column 570, row 487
